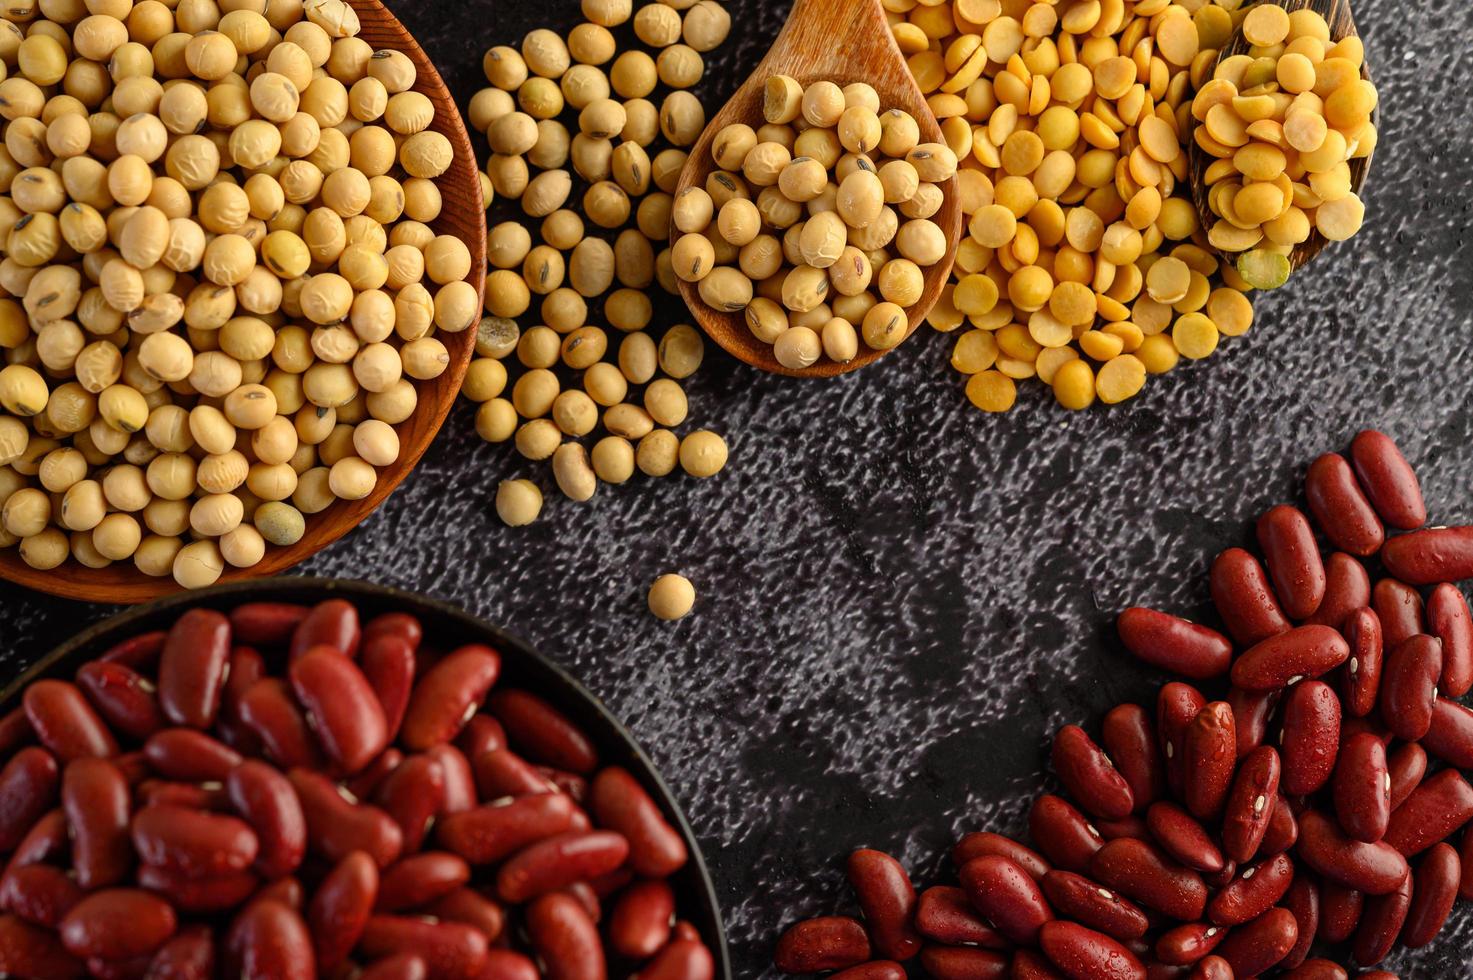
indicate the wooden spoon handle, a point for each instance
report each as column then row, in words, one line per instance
column 833, row 40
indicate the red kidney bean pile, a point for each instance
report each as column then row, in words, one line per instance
column 1295, row 790
column 281, row 793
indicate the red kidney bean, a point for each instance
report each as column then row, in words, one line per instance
column 558, row 861
column 1189, row 943
column 337, row 826
column 1089, row 776
column 566, row 938
column 1380, row 924
column 288, row 891
column 1465, row 853
column 117, row 924
column 460, row 782
column 194, row 796
column 1429, row 556
column 195, row 895
column 961, row 963
column 690, row 960
column 481, row 734
column 123, row 697
column 1434, row 890
column 1212, row 968
column 1252, row 948
column 403, row 625
column 501, row 772
column 1293, row 560
column 506, row 964
column 139, row 652
column 1371, row 868
column 1142, row 872
column 1434, row 811
column 190, row 955
column 1063, row 833
column 341, row 907
column 1361, row 682
column 474, row 909
column 266, row 624
column 65, row 723
column 639, row 925
column 1177, row 705
column 1409, row 687
column 1310, row 737
column 1407, row 765
column 31, row 951
column 405, row 966
column 264, row 798
column 620, row 804
column 1084, row 901
column 1249, row 809
column 1362, row 788
column 95, row 797
column 246, row 668
column 189, row 755
column 420, row 879
column 1279, row 661
column 1254, row 891
column 1182, row 837
column 1083, row 954
column 1449, row 619
column 268, row 709
column 1450, row 736
column 1244, row 599
column 978, row 843
column 388, row 664
column 831, row 942
column 366, row 782
column 888, row 901
column 1131, row 826
column 490, row 833
column 447, row 694
column 1340, row 911
column 1347, row 588
column 449, row 949
column 1400, row 608
column 1209, row 754
column 1174, row 644
column 269, row 941
column 413, row 795
column 1028, row 965
column 541, row 732
column 1303, row 901
column 28, row 788
column 332, row 623
column 1129, row 737
column 1341, row 508
column 46, row 841
column 192, row 668
column 1252, row 712
column 944, row 915
column 587, row 897
column 39, row 893
column 1318, row 969
column 1006, row 896
column 193, row 842
column 15, row 731
column 340, row 707
column 1388, row 480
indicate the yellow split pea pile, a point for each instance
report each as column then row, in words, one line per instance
column 830, row 172
column 1085, row 265
column 578, row 142
column 222, row 280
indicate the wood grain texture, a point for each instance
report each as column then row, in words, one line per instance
column 464, row 216
column 841, row 42
column 1337, row 14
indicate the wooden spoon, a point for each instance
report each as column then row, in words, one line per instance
column 464, row 217
column 841, row 41
column 1342, row 24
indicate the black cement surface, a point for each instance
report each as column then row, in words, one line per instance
column 900, row 597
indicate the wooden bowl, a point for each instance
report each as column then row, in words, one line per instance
column 464, row 216
column 445, row 626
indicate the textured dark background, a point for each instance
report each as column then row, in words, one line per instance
column 900, row 597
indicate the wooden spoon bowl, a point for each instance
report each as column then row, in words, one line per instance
column 1342, row 24
column 840, row 41
column 464, row 216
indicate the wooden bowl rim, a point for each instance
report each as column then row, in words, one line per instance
column 121, row 582
column 520, row 659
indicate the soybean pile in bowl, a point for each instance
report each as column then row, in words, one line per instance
column 283, row 772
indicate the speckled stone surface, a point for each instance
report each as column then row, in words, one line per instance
column 900, row 597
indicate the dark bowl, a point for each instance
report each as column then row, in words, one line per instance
column 447, row 625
